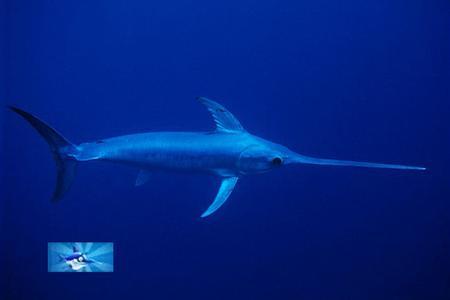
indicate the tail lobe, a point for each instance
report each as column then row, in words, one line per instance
column 61, row 149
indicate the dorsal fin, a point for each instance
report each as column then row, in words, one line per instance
column 225, row 121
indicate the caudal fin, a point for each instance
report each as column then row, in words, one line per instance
column 61, row 149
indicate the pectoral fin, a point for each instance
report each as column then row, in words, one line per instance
column 225, row 190
column 142, row 177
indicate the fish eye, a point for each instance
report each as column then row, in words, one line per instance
column 80, row 258
column 277, row 161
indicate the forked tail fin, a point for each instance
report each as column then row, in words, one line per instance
column 61, row 149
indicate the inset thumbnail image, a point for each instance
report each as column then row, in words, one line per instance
column 80, row 257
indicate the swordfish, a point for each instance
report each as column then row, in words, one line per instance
column 228, row 152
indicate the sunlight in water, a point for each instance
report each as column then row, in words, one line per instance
column 104, row 249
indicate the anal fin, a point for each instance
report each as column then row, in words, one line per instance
column 142, row 177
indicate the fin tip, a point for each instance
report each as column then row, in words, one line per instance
column 13, row 108
column 205, row 214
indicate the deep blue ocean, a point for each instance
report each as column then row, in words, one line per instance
column 359, row 80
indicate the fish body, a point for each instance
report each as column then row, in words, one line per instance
column 228, row 152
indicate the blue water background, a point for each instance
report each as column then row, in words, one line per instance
column 361, row 80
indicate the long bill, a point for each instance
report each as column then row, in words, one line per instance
column 349, row 163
